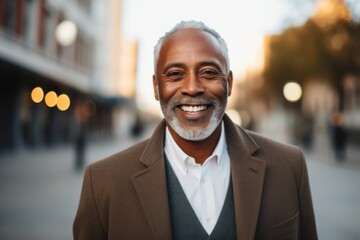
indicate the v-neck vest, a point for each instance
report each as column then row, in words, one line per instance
column 186, row 225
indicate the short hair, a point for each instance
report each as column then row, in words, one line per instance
column 195, row 25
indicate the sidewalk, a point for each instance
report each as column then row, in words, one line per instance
column 336, row 197
column 39, row 190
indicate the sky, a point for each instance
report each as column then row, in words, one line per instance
column 242, row 24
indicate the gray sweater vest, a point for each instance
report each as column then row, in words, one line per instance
column 184, row 222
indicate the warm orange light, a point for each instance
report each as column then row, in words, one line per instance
column 88, row 108
column 37, row 94
column 51, row 99
column 63, row 102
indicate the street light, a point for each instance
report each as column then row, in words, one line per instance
column 51, row 99
column 292, row 91
column 63, row 102
column 37, row 94
column 65, row 33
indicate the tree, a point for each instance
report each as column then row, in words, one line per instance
column 329, row 52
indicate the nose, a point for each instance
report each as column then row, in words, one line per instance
column 192, row 86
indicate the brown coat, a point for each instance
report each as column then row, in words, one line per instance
column 125, row 196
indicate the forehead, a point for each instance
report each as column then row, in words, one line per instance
column 187, row 43
column 190, row 34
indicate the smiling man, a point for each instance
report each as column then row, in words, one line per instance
column 199, row 176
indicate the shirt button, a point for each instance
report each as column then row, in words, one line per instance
column 208, row 220
column 202, row 180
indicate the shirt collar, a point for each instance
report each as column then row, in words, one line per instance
column 179, row 157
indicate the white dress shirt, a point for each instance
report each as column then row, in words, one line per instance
column 205, row 185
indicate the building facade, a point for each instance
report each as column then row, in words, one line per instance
column 31, row 57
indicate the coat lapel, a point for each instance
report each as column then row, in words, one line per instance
column 150, row 185
column 247, row 175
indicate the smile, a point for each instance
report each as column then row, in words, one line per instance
column 193, row 109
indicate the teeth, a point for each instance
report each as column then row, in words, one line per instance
column 193, row 109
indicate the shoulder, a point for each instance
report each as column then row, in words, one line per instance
column 269, row 145
column 279, row 156
column 260, row 146
column 253, row 143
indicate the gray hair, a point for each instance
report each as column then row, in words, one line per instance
column 196, row 25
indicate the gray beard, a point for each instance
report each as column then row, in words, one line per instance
column 195, row 134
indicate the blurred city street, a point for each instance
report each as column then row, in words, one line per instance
column 40, row 191
column 78, row 87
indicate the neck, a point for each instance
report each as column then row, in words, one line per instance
column 199, row 150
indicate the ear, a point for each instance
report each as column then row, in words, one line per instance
column 230, row 82
column 156, row 88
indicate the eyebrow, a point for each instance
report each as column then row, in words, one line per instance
column 173, row 65
column 211, row 63
column 201, row 64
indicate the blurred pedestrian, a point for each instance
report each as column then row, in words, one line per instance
column 200, row 176
column 339, row 135
column 80, row 148
column 306, row 130
column 80, row 136
column 138, row 126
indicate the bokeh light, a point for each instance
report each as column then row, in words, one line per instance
column 51, row 99
column 37, row 94
column 88, row 108
column 63, row 102
column 292, row 91
column 66, row 33
column 234, row 116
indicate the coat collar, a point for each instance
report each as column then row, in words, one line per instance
column 247, row 175
column 150, row 185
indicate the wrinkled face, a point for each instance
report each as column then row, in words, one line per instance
column 192, row 83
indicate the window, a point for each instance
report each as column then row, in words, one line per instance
column 12, row 16
column 19, row 17
column 41, row 24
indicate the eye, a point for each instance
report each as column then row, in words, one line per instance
column 175, row 74
column 209, row 73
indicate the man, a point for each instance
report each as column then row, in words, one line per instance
column 199, row 176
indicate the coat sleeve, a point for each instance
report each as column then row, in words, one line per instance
column 87, row 224
column 307, row 217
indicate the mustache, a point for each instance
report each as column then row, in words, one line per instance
column 192, row 101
